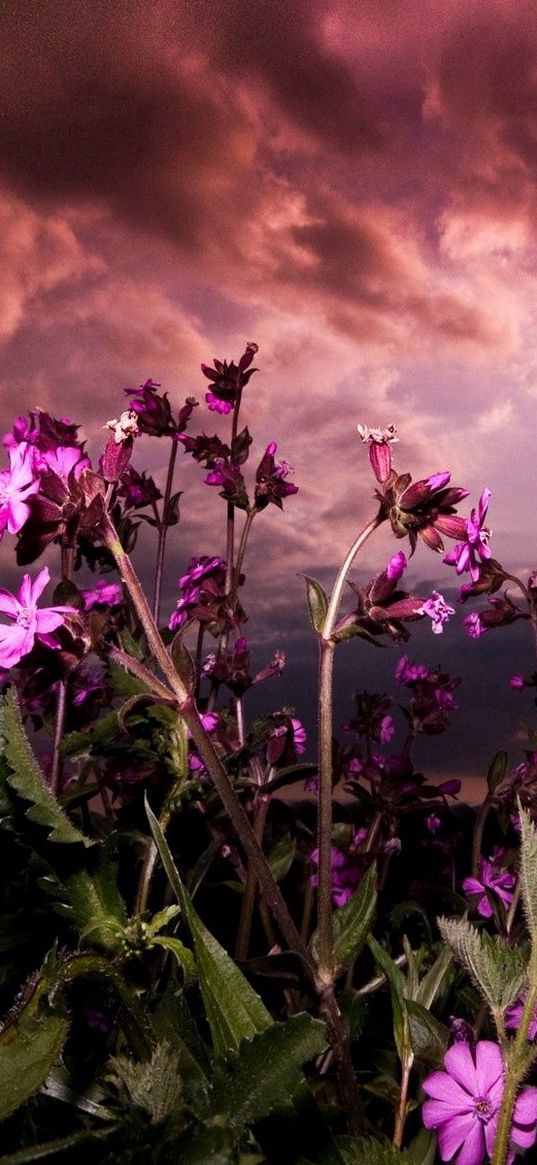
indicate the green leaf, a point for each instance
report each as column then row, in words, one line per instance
column 27, row 779
column 29, row 1046
column 317, row 602
column 60, row 1145
column 498, row 971
column 234, row 1010
column 154, row 1086
column 266, row 1071
column 183, row 662
column 397, row 985
column 528, row 870
column 429, row 1037
column 434, row 978
column 352, row 922
column 422, row 1149
column 185, row 958
column 497, row 770
column 281, row 857
column 371, row 1151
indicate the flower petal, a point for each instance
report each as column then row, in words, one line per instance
column 489, row 1066
column 473, row 1149
column 452, row 1135
column 459, row 1062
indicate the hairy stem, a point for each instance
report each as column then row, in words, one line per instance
column 401, row 1112
column 250, row 888
column 187, row 708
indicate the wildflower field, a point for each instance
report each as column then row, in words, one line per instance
column 216, row 951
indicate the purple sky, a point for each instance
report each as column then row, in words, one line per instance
column 354, row 187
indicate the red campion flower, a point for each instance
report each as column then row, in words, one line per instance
column 424, row 509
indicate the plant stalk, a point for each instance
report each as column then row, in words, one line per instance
column 163, row 528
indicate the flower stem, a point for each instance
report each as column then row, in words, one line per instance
column 250, row 888
column 187, row 708
column 326, row 668
column 163, row 528
column 67, row 554
column 516, row 1066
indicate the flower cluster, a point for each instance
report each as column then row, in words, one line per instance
column 228, row 380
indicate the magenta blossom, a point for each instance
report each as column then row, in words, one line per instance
column 62, row 459
column 345, row 877
column 28, row 623
column 109, row 594
column 493, row 882
column 270, row 483
column 17, row 484
column 438, row 611
column 463, row 556
column 464, row 1103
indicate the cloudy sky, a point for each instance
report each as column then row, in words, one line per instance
column 353, row 185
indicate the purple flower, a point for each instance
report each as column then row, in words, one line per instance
column 153, row 411
column 438, row 611
column 465, row 1101
column 228, row 380
column 28, row 622
column 270, row 480
column 493, row 883
column 473, row 626
column 287, row 740
column 17, row 484
column 396, row 567
column 408, row 673
column 109, row 594
column 345, row 877
column 425, row 509
column 463, row 556
column 62, row 459
column 202, row 591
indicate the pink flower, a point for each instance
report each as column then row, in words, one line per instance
column 437, row 610
column 465, row 1100
column 473, row 626
column 62, row 459
column 463, row 556
column 109, row 594
column 493, row 882
column 28, row 623
column 17, row 484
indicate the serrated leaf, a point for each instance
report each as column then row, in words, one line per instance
column 317, row 602
column 497, row 770
column 28, row 781
column 498, row 971
column 266, row 1070
column 29, row 1046
column 429, row 1037
column 234, row 1010
column 528, row 870
column 371, row 1151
